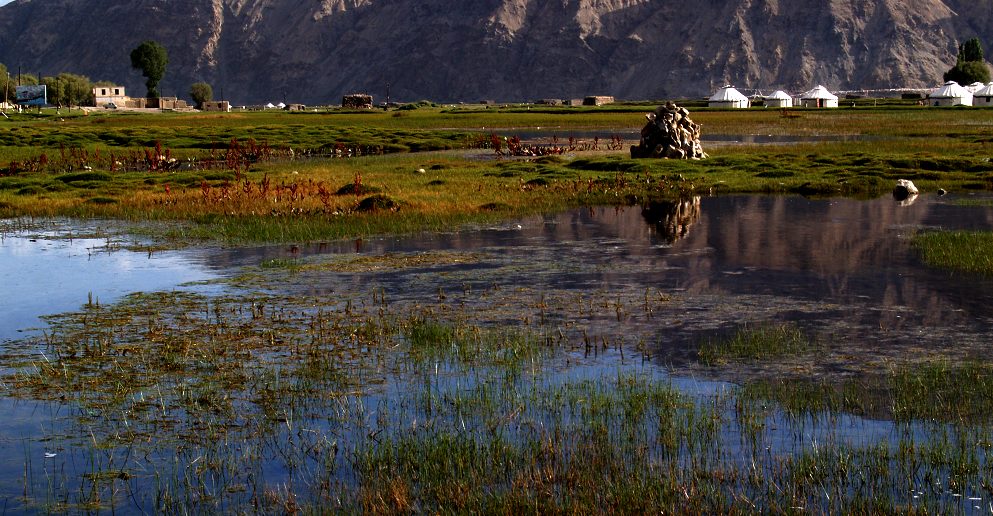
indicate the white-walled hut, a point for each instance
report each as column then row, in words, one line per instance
column 728, row 97
column 950, row 94
column 974, row 87
column 984, row 96
column 779, row 99
column 819, row 97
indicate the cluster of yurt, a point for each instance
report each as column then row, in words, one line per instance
column 819, row 97
column 952, row 94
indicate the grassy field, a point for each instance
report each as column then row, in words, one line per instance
column 264, row 176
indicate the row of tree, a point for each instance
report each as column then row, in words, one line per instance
column 67, row 89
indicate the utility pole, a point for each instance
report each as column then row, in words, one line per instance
column 6, row 86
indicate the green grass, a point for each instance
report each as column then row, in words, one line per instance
column 969, row 252
column 764, row 341
column 104, row 165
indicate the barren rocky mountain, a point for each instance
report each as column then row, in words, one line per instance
column 313, row 51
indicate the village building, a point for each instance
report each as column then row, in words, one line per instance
column 728, row 97
column 357, row 101
column 950, row 94
column 984, row 96
column 216, row 105
column 819, row 97
column 104, row 96
column 779, row 99
column 597, row 100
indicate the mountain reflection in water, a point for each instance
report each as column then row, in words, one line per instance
column 842, row 268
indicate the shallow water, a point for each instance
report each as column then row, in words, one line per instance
column 650, row 282
column 50, row 272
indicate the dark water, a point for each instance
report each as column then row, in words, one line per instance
column 844, row 268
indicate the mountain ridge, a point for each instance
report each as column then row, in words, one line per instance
column 255, row 51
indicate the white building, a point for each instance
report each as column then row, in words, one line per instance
column 950, row 94
column 728, row 97
column 819, row 97
column 779, row 99
column 983, row 96
column 104, row 95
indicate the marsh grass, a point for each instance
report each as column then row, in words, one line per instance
column 762, row 341
column 361, row 402
column 969, row 252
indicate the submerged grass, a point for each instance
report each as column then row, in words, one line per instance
column 481, row 400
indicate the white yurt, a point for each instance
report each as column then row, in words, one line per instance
column 974, row 87
column 950, row 94
column 728, row 97
column 983, row 96
column 779, row 99
column 819, row 97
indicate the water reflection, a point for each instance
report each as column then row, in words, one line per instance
column 842, row 267
column 672, row 219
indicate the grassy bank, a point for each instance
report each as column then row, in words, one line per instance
column 284, row 176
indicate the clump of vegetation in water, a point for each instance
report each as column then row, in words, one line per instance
column 763, row 341
column 968, row 252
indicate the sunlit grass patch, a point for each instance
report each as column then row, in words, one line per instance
column 958, row 251
column 753, row 343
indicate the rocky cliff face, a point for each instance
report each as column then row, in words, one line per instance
column 314, row 51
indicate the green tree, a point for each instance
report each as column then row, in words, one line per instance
column 968, row 72
column 151, row 58
column 969, row 65
column 68, row 89
column 201, row 92
column 7, row 90
column 971, row 50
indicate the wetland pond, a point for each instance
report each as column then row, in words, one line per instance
column 326, row 375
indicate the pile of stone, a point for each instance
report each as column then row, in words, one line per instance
column 669, row 133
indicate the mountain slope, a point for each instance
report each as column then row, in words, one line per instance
column 314, row 51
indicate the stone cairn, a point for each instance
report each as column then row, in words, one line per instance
column 669, row 133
